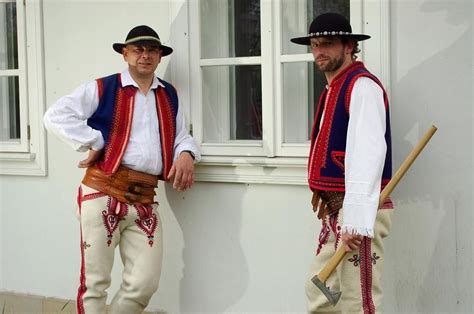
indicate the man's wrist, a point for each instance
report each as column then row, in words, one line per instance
column 190, row 153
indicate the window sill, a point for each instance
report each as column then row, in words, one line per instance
column 289, row 171
column 26, row 164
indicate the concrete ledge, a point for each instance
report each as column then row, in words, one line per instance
column 16, row 303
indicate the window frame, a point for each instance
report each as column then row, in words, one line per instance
column 28, row 157
column 22, row 144
column 270, row 160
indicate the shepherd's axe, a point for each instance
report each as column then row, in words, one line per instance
column 320, row 279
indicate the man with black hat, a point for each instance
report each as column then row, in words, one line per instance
column 134, row 130
column 349, row 164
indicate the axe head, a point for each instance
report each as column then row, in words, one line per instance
column 332, row 297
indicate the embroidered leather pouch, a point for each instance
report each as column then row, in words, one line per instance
column 327, row 202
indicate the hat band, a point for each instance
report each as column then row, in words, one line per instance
column 141, row 38
column 329, row 33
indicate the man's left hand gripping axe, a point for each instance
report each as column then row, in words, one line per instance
column 320, row 279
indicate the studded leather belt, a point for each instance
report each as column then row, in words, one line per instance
column 126, row 185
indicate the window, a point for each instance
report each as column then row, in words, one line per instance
column 21, row 88
column 254, row 93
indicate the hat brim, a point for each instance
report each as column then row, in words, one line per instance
column 306, row 39
column 118, row 47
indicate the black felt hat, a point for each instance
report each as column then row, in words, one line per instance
column 143, row 35
column 329, row 24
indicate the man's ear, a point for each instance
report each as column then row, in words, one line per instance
column 124, row 53
column 349, row 46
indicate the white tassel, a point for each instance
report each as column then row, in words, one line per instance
column 366, row 232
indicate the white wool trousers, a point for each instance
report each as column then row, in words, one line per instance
column 358, row 276
column 136, row 230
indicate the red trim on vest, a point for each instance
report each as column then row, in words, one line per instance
column 313, row 129
column 321, row 146
column 167, row 130
column 121, row 127
column 338, row 158
column 319, row 149
column 347, row 97
column 100, row 88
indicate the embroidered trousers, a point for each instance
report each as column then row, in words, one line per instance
column 357, row 276
column 136, row 230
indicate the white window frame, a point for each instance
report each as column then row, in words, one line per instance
column 28, row 155
column 268, row 160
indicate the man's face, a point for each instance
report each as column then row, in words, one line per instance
column 330, row 53
column 142, row 60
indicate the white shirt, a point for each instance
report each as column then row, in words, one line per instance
column 67, row 118
column 365, row 157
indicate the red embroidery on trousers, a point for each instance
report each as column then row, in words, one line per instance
column 82, row 279
column 82, row 287
column 366, row 276
column 112, row 216
column 79, row 197
column 147, row 221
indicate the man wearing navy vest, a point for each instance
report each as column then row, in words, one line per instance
column 349, row 164
column 133, row 128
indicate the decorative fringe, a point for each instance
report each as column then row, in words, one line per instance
column 366, row 232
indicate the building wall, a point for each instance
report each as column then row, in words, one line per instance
column 246, row 247
column 432, row 81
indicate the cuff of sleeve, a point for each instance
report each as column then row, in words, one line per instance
column 195, row 154
column 190, row 153
column 99, row 144
column 357, row 230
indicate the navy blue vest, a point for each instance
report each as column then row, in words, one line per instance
column 327, row 154
column 113, row 118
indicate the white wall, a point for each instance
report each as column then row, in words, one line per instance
column 2, row 230
column 430, row 251
column 246, row 248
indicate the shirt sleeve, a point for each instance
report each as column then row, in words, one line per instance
column 183, row 140
column 365, row 157
column 67, row 118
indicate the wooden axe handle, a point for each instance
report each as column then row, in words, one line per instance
column 340, row 253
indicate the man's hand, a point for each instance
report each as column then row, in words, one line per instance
column 91, row 159
column 183, row 172
column 351, row 241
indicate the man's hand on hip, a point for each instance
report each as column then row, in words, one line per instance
column 91, row 159
column 182, row 172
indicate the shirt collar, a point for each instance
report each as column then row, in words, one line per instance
column 128, row 80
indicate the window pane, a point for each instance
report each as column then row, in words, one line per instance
column 230, row 28
column 298, row 14
column 8, row 36
column 232, row 103
column 299, row 100
column 9, row 108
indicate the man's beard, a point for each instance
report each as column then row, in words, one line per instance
column 332, row 65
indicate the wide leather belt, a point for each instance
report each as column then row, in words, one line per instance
column 126, row 185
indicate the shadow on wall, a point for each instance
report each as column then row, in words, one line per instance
column 435, row 198
column 215, row 273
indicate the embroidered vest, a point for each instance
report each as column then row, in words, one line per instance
column 113, row 118
column 328, row 143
